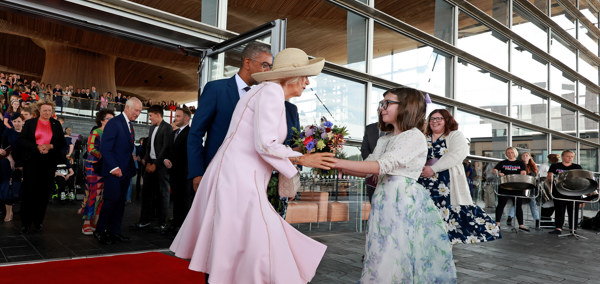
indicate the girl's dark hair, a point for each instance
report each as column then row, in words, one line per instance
column 411, row 110
column 450, row 123
column 101, row 114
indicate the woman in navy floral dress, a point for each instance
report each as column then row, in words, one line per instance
column 444, row 176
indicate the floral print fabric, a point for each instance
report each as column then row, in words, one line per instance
column 466, row 223
column 406, row 239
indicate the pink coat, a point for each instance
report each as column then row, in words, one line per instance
column 232, row 232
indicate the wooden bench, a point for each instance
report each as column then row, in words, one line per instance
column 302, row 212
column 338, row 212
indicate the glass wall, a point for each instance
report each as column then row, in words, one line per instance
column 562, row 119
column 528, row 106
column 588, row 68
column 410, row 63
column 338, row 100
column 588, row 128
column 562, row 84
column 560, row 49
column 481, row 88
column 529, row 67
column 562, row 18
column 488, row 137
column 534, row 142
column 588, row 157
column 530, row 29
column 479, row 40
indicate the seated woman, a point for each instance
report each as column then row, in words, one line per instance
column 510, row 166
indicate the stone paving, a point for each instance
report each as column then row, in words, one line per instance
column 534, row 257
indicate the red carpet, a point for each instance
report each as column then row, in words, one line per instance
column 152, row 267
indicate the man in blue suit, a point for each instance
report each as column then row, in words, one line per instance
column 215, row 108
column 117, row 169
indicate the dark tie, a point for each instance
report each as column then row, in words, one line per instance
column 131, row 131
column 177, row 134
column 247, row 88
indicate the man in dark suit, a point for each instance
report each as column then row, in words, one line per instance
column 117, row 169
column 155, row 192
column 215, row 108
column 372, row 134
column 181, row 187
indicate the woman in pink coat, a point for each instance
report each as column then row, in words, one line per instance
column 232, row 232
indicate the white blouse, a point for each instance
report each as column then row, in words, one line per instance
column 401, row 155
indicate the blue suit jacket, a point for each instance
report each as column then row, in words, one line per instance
column 293, row 120
column 117, row 148
column 212, row 117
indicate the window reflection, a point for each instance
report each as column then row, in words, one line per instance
column 528, row 107
column 479, row 40
column 588, row 157
column 480, row 88
column 562, row 18
column 562, row 84
column 376, row 96
column 488, row 137
column 530, row 29
column 535, row 142
column 341, row 102
column 588, row 128
column 562, row 119
column 561, row 50
column 589, row 40
column 529, row 67
column 588, row 68
column 410, row 63
column 587, row 98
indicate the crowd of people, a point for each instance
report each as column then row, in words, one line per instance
column 68, row 96
column 216, row 168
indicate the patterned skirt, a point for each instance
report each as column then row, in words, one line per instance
column 94, row 187
column 406, row 238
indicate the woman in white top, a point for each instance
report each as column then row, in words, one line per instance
column 444, row 177
column 406, row 237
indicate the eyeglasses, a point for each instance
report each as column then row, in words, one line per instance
column 385, row 103
column 265, row 65
column 437, row 118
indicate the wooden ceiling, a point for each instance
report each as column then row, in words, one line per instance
column 316, row 26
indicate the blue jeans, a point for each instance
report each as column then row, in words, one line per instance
column 532, row 205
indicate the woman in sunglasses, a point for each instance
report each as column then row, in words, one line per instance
column 406, row 237
column 444, row 176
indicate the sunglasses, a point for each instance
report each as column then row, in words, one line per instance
column 385, row 103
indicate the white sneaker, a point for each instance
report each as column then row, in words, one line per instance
column 63, row 196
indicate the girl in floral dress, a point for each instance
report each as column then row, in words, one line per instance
column 444, row 177
column 406, row 238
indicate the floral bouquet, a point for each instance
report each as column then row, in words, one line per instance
column 325, row 137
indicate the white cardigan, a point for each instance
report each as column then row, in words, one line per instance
column 452, row 160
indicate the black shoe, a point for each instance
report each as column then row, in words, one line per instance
column 25, row 230
column 160, row 229
column 524, row 229
column 37, row 228
column 103, row 238
column 509, row 221
column 555, row 232
column 142, row 225
column 119, row 238
column 537, row 224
